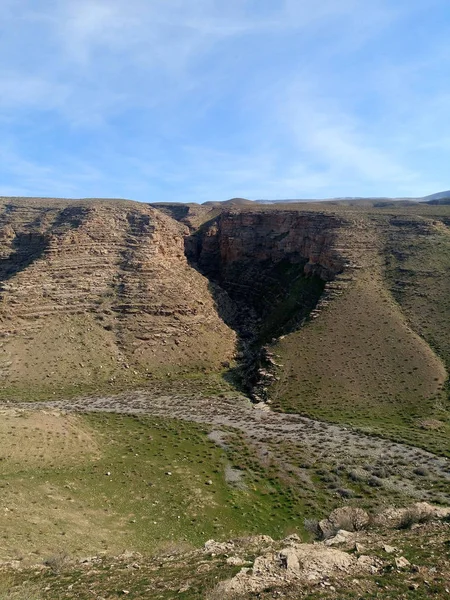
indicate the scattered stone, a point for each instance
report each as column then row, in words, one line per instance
column 236, row 561
column 402, row 563
column 289, row 560
column 389, row 549
column 431, row 424
column 341, row 537
column 261, row 406
column 368, row 563
column 310, row 563
column 213, row 547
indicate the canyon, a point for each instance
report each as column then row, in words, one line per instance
column 173, row 373
column 136, row 294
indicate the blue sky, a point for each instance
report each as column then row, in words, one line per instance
column 196, row 100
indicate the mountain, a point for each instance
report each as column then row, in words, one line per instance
column 439, row 198
column 114, row 294
column 186, row 380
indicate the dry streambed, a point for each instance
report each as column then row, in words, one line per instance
column 406, row 467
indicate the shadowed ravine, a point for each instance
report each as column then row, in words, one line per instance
column 267, row 273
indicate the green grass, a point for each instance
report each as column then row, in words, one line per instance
column 100, row 483
column 78, row 508
column 418, row 272
column 192, row 382
column 371, row 360
column 193, row 576
column 359, row 364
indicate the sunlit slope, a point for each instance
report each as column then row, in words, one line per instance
column 361, row 363
column 100, row 294
column 418, row 273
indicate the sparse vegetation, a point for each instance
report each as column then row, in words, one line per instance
column 412, row 516
column 138, row 494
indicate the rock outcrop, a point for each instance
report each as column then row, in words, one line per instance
column 267, row 236
column 105, row 290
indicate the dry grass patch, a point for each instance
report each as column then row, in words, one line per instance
column 40, row 438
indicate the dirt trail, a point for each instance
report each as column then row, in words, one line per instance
column 327, row 442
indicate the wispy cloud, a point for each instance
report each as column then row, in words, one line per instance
column 200, row 100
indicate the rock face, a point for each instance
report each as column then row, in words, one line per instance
column 111, row 291
column 297, row 564
column 273, row 264
column 240, row 237
column 104, row 289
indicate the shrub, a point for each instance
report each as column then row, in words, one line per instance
column 421, row 471
column 350, row 518
column 375, row 481
column 312, row 527
column 345, row 493
column 57, row 561
column 413, row 515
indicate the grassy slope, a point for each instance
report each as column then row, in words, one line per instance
column 360, row 363
column 195, row 575
column 75, row 355
column 418, row 273
column 58, row 498
column 54, row 472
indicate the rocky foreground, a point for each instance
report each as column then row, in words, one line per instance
column 398, row 553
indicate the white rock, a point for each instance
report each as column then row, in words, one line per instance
column 341, row 537
column 235, row 561
column 402, row 562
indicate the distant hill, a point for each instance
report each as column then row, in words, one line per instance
column 439, row 198
column 230, row 202
column 373, row 201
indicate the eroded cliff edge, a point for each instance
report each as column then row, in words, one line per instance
column 101, row 293
column 116, row 292
column 274, row 267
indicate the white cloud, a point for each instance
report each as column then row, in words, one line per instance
column 265, row 101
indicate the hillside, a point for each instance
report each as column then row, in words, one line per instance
column 100, row 294
column 377, row 356
column 439, row 198
column 175, row 373
column 114, row 294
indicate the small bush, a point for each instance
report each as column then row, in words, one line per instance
column 421, row 471
column 312, row 527
column 350, row 518
column 345, row 493
column 356, row 475
column 57, row 561
column 375, row 481
column 413, row 515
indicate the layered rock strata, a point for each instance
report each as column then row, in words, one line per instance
column 101, row 283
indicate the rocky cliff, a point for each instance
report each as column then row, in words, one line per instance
column 267, row 235
column 115, row 291
column 101, row 291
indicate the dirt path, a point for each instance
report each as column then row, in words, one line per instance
column 331, row 443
